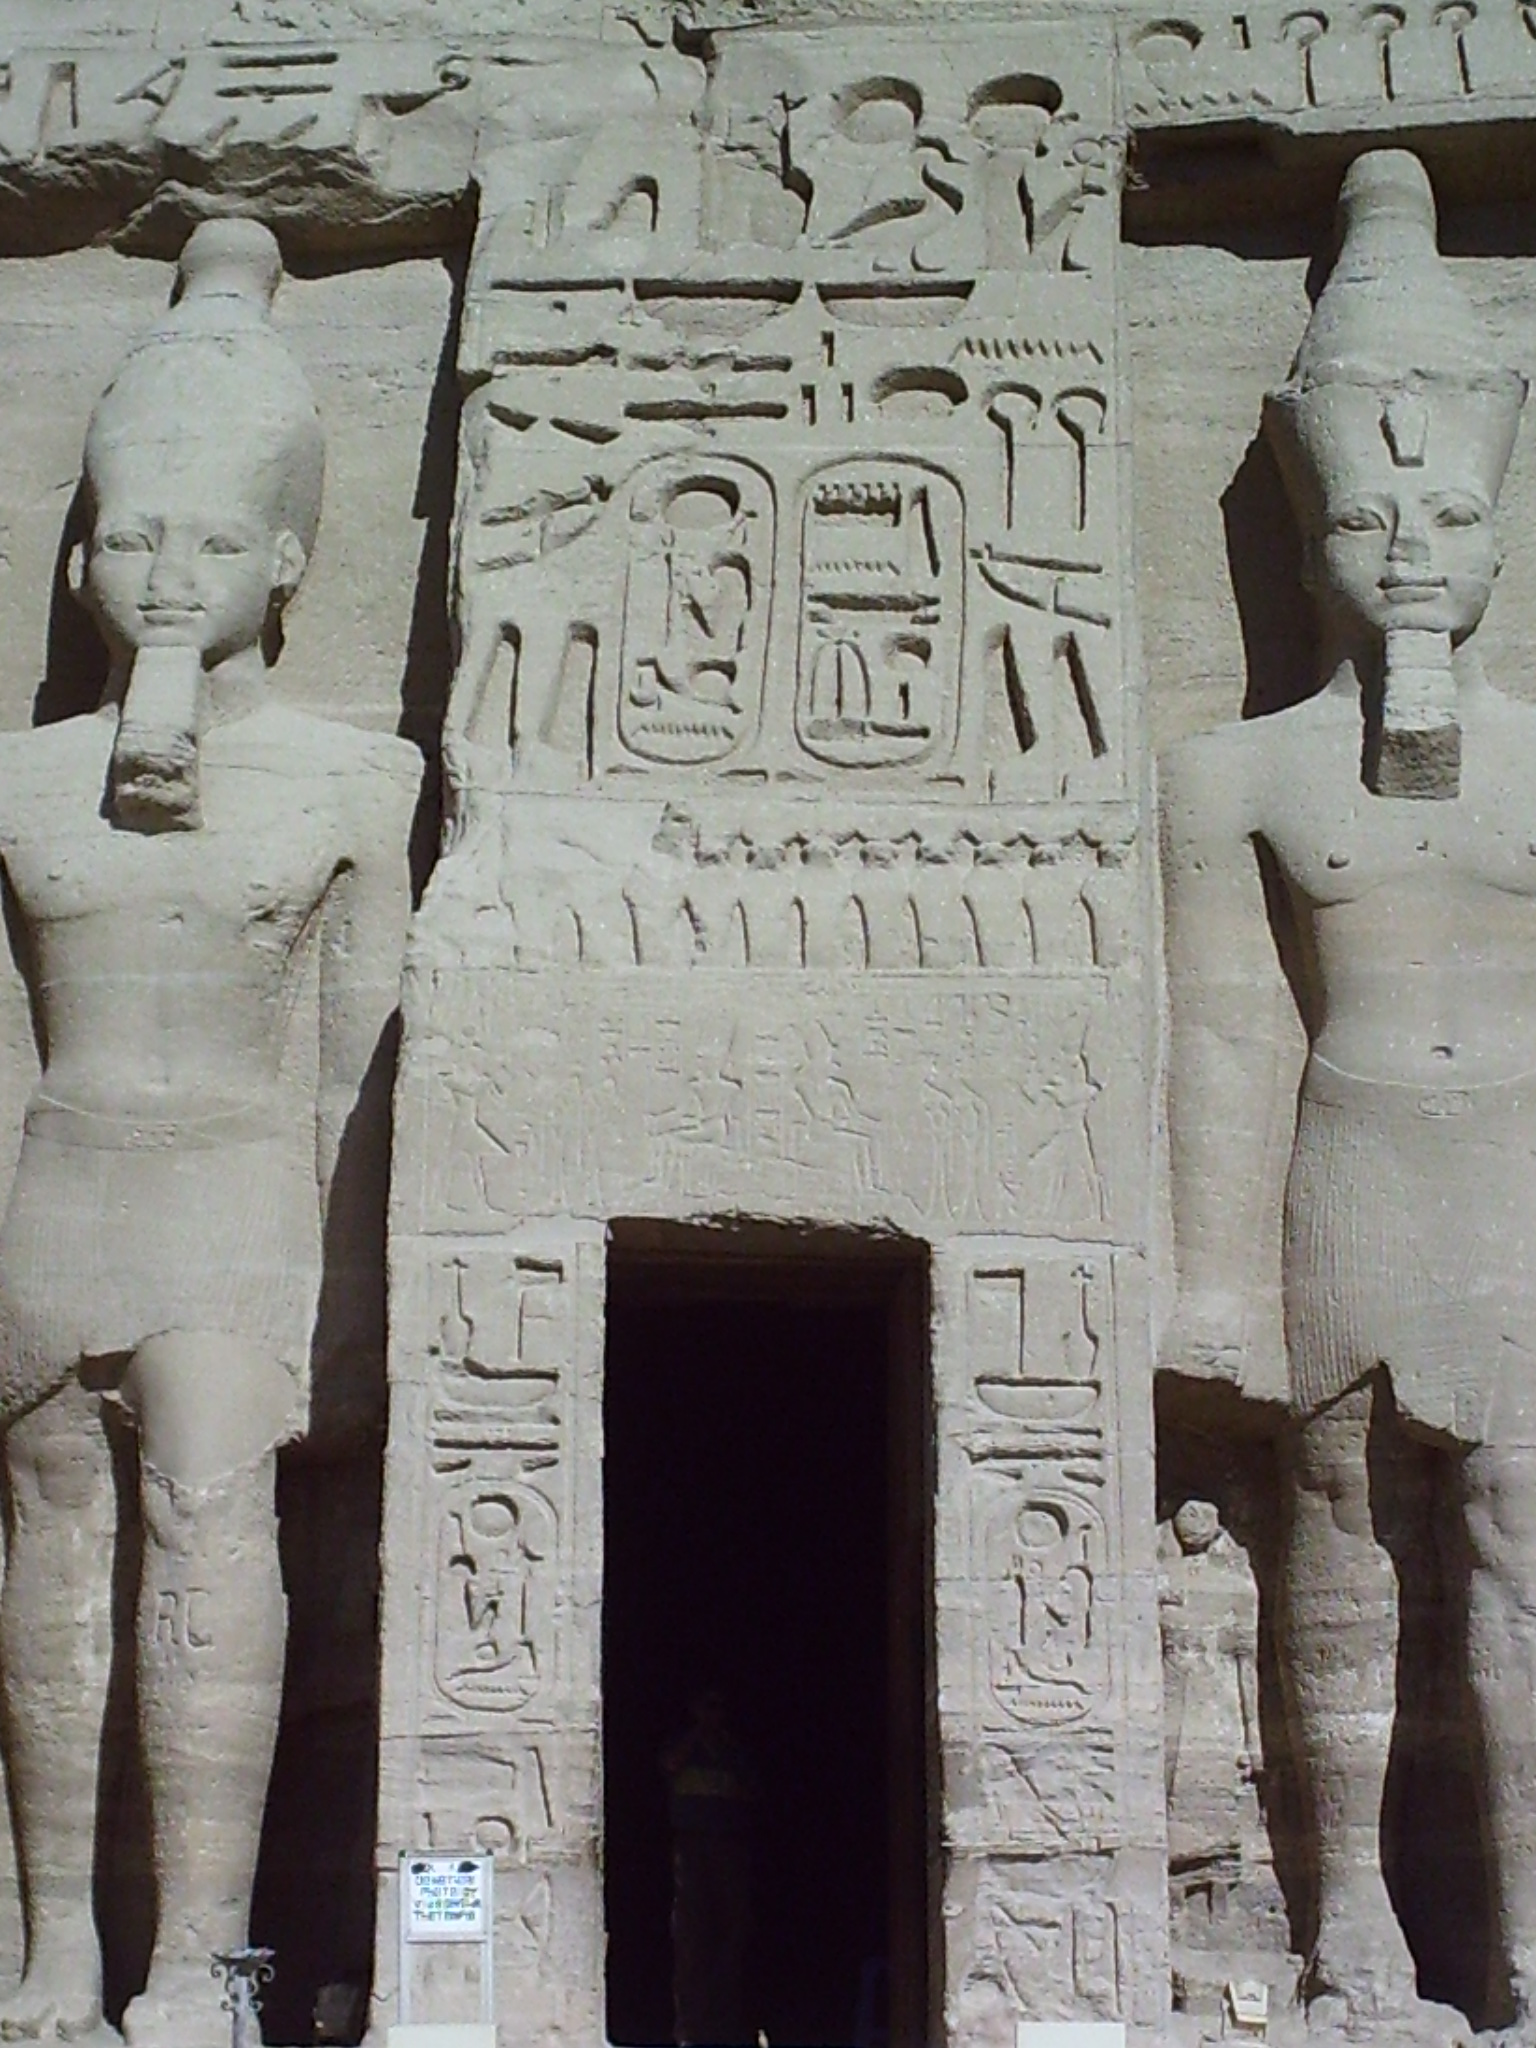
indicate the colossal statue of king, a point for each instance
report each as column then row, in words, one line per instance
column 206, row 895
column 1395, row 810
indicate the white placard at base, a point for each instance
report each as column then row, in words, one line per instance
column 446, row 1899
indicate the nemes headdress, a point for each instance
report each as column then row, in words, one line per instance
column 1393, row 332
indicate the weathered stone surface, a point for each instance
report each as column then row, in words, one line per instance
column 795, row 875
column 856, row 413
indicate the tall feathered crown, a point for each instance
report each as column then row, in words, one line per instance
column 1394, row 330
column 215, row 369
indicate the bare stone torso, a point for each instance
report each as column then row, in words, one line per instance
column 1420, row 916
column 164, row 967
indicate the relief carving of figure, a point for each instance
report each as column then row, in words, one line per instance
column 1396, row 806
column 1228, row 1919
column 1208, row 1605
column 207, row 894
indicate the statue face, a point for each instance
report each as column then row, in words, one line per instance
column 1197, row 1525
column 1406, row 542
column 1410, row 550
column 173, row 562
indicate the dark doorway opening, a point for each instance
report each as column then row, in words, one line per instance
column 767, row 1501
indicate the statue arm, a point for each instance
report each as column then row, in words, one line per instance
column 20, row 1057
column 1231, row 1019
column 1248, row 1702
column 364, row 922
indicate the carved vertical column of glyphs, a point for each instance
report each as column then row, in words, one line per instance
column 1048, row 1678
column 490, row 1656
column 795, row 873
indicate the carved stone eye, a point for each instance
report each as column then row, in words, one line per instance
column 126, row 541
column 1360, row 519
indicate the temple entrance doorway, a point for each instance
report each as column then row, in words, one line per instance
column 767, row 1492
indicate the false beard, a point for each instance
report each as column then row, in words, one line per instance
column 153, row 782
column 1416, row 752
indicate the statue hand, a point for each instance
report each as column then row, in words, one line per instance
column 475, row 778
column 1206, row 1337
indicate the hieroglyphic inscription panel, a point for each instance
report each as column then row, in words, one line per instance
column 1365, row 63
column 967, row 1107
column 1040, row 1531
column 493, row 1489
column 1046, row 1792
column 791, row 432
column 278, row 113
column 496, row 1437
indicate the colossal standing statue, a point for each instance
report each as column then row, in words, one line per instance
column 207, row 895
column 1398, row 809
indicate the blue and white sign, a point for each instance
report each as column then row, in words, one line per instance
column 446, row 1898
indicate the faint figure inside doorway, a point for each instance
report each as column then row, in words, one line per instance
column 711, row 1795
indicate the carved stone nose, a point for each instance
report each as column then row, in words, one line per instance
column 1409, row 543
column 170, row 575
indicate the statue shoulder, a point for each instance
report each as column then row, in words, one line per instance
column 1215, row 774
column 1221, row 747
column 38, row 763
column 331, row 747
column 19, row 754
column 1513, row 718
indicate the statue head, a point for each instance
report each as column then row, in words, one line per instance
column 204, row 464
column 1397, row 422
column 1196, row 1524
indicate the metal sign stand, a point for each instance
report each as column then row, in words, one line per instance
column 244, row 1974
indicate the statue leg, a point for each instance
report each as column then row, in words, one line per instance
column 56, row 1660
column 1339, row 1639
column 1500, row 1498
column 212, row 1624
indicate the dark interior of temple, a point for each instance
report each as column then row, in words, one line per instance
column 751, row 1451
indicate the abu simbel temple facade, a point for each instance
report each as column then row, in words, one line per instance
column 768, row 1023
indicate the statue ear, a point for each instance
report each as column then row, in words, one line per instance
column 74, row 572
column 289, row 562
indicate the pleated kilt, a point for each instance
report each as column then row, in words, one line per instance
column 117, row 1231
column 1410, row 1243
